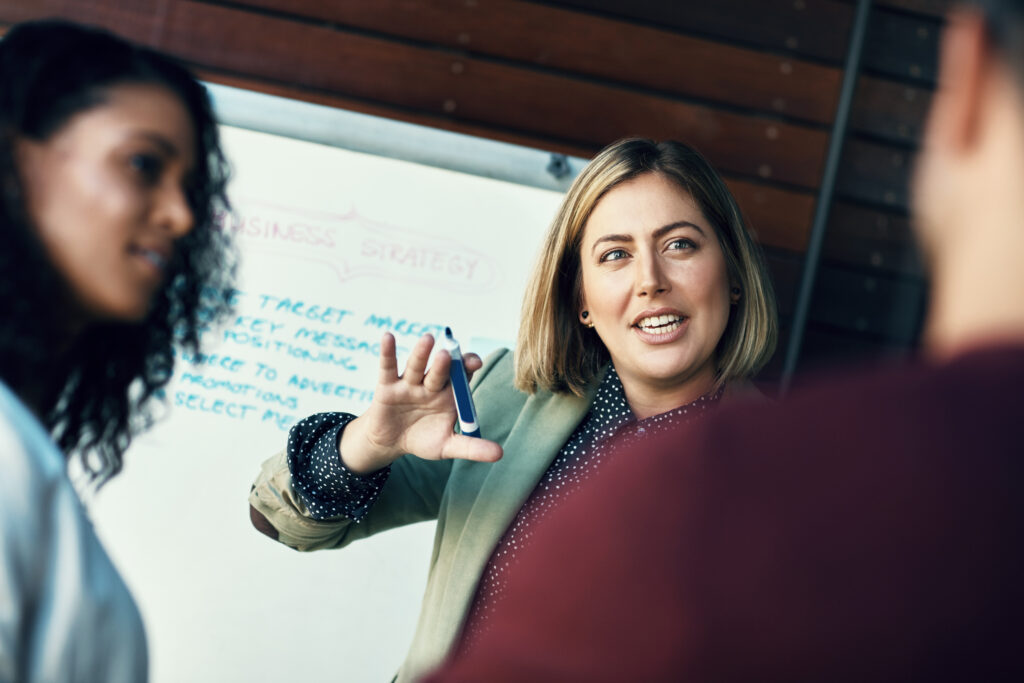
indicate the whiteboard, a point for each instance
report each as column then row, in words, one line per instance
column 337, row 247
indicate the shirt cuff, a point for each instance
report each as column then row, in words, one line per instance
column 328, row 488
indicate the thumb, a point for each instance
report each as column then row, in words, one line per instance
column 462, row 447
column 471, row 363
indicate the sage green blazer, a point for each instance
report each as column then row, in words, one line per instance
column 474, row 503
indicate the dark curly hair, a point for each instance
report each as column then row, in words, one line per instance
column 94, row 390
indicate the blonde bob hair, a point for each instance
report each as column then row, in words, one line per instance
column 556, row 353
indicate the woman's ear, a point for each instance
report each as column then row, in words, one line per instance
column 583, row 312
column 964, row 53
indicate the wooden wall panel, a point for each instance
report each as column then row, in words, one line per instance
column 888, row 110
column 431, row 80
column 875, row 241
column 815, row 28
column 584, row 44
column 875, row 173
column 902, row 45
column 639, row 55
column 934, row 8
column 889, row 307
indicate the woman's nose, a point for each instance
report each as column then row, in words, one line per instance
column 173, row 211
column 650, row 276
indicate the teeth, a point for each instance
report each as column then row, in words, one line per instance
column 154, row 258
column 660, row 324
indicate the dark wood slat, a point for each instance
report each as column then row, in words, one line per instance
column 851, row 241
column 875, row 173
column 869, row 240
column 398, row 114
column 815, row 28
column 785, row 268
column 868, row 303
column 872, row 240
column 595, row 46
column 935, row 8
column 133, row 20
column 903, row 46
column 779, row 217
column 860, row 303
column 870, row 224
column 890, row 110
column 878, row 257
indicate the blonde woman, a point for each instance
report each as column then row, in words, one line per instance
column 648, row 306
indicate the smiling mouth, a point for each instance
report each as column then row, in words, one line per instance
column 154, row 257
column 660, row 324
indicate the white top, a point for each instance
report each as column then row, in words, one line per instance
column 65, row 613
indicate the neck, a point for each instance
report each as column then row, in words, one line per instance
column 977, row 240
column 978, row 285
column 37, row 391
column 38, row 386
column 34, row 397
column 647, row 400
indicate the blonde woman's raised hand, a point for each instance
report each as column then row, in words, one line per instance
column 412, row 412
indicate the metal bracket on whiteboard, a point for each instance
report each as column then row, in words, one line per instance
column 394, row 139
column 559, row 166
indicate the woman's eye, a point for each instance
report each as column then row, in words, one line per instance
column 613, row 255
column 681, row 244
column 147, row 166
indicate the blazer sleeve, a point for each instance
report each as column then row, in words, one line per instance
column 411, row 494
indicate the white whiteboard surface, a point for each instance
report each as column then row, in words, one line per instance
column 337, row 246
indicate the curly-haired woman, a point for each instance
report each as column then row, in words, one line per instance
column 110, row 172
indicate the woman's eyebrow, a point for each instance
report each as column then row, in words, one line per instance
column 610, row 238
column 678, row 224
column 161, row 141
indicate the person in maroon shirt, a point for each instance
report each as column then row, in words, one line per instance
column 870, row 527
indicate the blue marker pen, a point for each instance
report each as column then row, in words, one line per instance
column 460, row 387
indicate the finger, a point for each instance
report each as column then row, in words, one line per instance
column 472, row 363
column 388, row 361
column 462, row 447
column 418, row 358
column 440, row 369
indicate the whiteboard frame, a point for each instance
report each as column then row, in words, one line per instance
column 389, row 138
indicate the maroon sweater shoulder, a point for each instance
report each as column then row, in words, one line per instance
column 869, row 528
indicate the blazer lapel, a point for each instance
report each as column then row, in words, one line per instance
column 545, row 424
